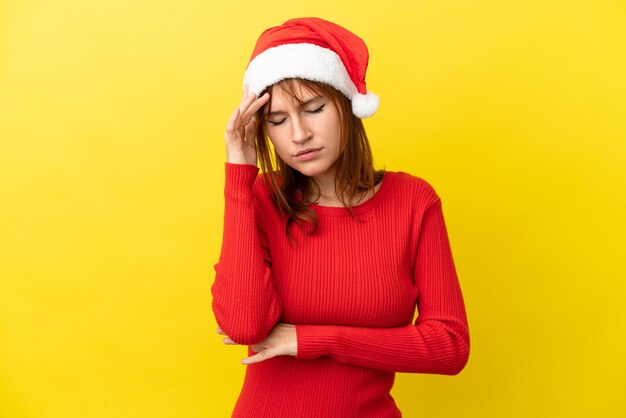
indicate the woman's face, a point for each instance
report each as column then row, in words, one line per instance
column 294, row 128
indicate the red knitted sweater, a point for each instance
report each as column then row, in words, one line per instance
column 351, row 290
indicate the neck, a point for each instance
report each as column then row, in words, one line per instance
column 326, row 183
column 328, row 194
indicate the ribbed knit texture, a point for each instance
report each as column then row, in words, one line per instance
column 351, row 289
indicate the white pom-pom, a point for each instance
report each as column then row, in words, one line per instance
column 365, row 105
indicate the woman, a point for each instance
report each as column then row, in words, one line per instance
column 324, row 259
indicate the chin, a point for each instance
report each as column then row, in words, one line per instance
column 310, row 169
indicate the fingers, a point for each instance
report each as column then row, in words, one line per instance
column 264, row 350
column 249, row 113
column 258, row 348
column 232, row 123
column 250, row 104
column 226, row 340
column 237, row 120
column 246, row 104
column 250, row 129
column 262, row 356
column 245, row 94
column 239, row 126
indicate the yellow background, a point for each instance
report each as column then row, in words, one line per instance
column 111, row 178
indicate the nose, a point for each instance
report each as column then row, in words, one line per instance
column 301, row 132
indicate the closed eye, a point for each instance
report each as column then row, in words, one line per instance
column 318, row 110
column 275, row 123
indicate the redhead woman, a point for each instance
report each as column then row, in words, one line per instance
column 325, row 259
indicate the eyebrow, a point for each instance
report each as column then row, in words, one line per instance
column 277, row 112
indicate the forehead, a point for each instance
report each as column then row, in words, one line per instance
column 295, row 94
column 293, row 85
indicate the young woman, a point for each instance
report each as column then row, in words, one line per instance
column 325, row 259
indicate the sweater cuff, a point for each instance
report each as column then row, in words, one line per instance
column 238, row 178
column 315, row 340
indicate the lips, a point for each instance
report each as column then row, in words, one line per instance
column 304, row 151
column 308, row 154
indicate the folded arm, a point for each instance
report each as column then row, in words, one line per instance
column 437, row 343
column 245, row 302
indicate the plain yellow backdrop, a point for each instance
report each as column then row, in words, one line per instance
column 111, row 182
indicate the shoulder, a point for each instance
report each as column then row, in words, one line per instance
column 261, row 184
column 262, row 191
column 420, row 190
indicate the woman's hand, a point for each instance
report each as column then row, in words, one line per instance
column 281, row 341
column 241, row 129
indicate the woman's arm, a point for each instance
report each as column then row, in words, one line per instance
column 245, row 302
column 437, row 343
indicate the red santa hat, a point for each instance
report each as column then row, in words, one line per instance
column 314, row 49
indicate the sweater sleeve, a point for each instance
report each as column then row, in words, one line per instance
column 438, row 342
column 245, row 301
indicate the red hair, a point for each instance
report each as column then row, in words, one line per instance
column 355, row 173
